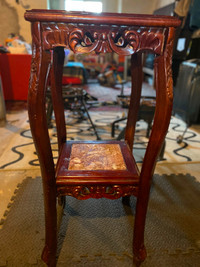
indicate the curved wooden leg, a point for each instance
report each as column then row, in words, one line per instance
column 60, row 209
column 56, row 91
column 137, row 77
column 164, row 100
column 40, row 68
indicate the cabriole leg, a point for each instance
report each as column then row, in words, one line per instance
column 40, row 68
column 164, row 100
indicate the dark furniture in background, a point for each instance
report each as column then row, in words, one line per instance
column 96, row 169
column 187, row 94
column 146, row 112
column 186, row 73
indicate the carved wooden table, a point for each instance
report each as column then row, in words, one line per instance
column 97, row 168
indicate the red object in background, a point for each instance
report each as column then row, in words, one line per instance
column 15, row 73
column 121, row 59
column 120, row 69
column 71, row 80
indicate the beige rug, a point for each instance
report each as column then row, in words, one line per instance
column 99, row 232
column 20, row 152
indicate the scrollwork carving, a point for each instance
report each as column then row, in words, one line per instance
column 103, row 39
column 152, row 40
column 75, row 38
column 36, row 52
column 125, row 43
column 98, row 191
column 54, row 35
column 168, row 64
column 102, row 42
column 86, row 42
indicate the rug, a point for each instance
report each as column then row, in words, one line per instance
column 20, row 152
column 99, row 232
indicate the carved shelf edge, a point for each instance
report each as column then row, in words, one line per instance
column 122, row 40
column 111, row 192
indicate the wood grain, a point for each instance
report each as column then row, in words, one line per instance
column 97, row 168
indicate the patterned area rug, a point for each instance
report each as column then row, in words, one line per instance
column 20, row 152
column 99, row 232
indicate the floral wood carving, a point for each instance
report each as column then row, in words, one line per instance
column 86, row 42
column 55, row 35
column 152, row 39
column 103, row 39
column 36, row 52
column 125, row 43
column 168, row 64
column 94, row 191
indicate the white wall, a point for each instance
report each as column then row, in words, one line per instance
column 161, row 3
column 7, row 14
column 134, row 6
column 138, row 6
column 12, row 14
column 17, row 23
column 110, row 6
column 56, row 4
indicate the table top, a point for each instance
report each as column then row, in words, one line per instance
column 44, row 15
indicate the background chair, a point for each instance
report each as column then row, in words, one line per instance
column 146, row 113
column 75, row 100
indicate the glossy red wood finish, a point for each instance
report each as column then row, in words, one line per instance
column 125, row 34
column 105, row 18
column 75, row 177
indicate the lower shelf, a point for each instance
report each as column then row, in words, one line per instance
column 89, row 164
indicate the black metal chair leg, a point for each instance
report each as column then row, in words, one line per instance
column 93, row 126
